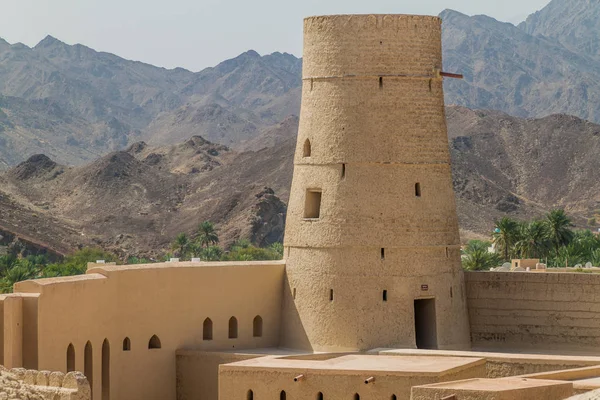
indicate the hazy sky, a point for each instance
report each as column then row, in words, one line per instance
column 198, row 33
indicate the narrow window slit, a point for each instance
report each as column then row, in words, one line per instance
column 307, row 149
column 450, row 291
column 382, row 253
column 343, row 171
column 385, row 295
column 330, row 294
column 380, row 82
column 294, row 293
column 418, row 189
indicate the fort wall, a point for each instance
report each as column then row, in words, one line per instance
column 121, row 325
column 378, row 379
column 543, row 310
column 198, row 372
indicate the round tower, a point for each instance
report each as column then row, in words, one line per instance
column 372, row 243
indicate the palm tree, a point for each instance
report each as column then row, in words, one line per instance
column 505, row 236
column 20, row 272
column 207, row 235
column 558, row 224
column 212, row 253
column 535, row 240
column 476, row 256
column 181, row 244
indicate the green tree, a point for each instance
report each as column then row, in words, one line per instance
column 211, row 253
column 277, row 248
column 595, row 257
column 181, row 245
column 207, row 235
column 558, row 225
column 506, row 234
column 476, row 256
column 535, row 240
column 22, row 271
column 76, row 264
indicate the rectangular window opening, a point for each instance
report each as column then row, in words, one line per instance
column 382, row 253
column 330, row 294
column 294, row 293
column 312, row 206
column 385, row 295
column 418, row 189
column 343, row 171
column 380, row 82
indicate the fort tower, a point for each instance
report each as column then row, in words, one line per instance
column 372, row 243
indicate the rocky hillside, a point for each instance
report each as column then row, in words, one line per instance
column 133, row 202
column 575, row 24
column 522, row 167
column 524, row 74
column 75, row 104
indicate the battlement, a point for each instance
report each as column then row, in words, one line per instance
column 43, row 385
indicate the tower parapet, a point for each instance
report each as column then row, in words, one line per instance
column 372, row 244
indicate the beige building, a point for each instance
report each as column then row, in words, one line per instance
column 370, row 301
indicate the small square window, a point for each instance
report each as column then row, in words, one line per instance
column 312, row 206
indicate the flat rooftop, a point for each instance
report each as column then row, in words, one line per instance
column 495, row 385
column 397, row 365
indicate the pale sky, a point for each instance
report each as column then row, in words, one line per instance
column 195, row 34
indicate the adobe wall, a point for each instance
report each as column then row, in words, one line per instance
column 18, row 330
column 373, row 113
column 236, row 380
column 557, row 312
column 198, row 372
column 171, row 301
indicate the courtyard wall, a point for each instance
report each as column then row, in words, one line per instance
column 551, row 311
column 121, row 325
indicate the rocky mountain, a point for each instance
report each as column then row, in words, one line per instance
column 135, row 201
column 217, row 144
column 522, row 167
column 510, row 70
column 575, row 24
column 76, row 104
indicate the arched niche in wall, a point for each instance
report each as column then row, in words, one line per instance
column 257, row 326
column 233, row 328
column 154, row 342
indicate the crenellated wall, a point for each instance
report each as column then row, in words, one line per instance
column 19, row 383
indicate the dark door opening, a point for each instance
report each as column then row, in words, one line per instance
column 425, row 329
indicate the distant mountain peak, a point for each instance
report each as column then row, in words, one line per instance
column 49, row 41
column 251, row 53
column 448, row 12
column 4, row 44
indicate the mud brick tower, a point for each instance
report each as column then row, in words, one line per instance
column 372, row 243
